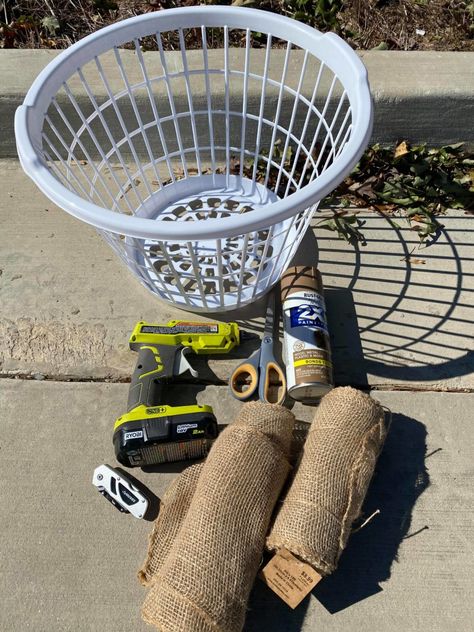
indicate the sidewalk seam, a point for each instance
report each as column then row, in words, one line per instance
column 412, row 388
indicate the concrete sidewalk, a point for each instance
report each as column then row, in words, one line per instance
column 402, row 323
column 70, row 560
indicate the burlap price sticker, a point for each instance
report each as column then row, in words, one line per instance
column 290, row 578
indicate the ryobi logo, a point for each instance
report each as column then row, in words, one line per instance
column 136, row 434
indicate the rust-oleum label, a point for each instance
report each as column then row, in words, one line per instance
column 306, row 345
column 309, row 312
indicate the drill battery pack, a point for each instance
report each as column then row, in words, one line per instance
column 159, row 434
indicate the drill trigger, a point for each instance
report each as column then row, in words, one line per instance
column 182, row 365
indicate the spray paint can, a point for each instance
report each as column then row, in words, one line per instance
column 306, row 347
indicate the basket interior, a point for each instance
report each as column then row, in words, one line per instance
column 183, row 104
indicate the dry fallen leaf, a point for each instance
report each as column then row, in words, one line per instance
column 129, row 187
column 48, row 42
column 414, row 260
column 401, row 150
column 386, row 209
column 365, row 189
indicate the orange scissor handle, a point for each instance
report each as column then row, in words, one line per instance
column 244, row 381
column 273, row 384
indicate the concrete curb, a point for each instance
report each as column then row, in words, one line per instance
column 421, row 96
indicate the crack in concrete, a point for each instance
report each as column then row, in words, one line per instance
column 414, row 388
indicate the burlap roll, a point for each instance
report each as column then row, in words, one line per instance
column 331, row 480
column 173, row 509
column 204, row 582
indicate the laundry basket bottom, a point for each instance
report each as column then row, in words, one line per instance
column 208, row 274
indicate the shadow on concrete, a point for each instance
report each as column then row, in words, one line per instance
column 267, row 612
column 388, row 317
column 400, row 479
column 346, row 347
column 411, row 322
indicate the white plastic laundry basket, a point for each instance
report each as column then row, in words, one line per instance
column 201, row 168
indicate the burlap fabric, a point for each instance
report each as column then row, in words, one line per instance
column 204, row 581
column 331, row 480
column 173, row 509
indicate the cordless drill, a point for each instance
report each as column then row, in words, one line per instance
column 152, row 431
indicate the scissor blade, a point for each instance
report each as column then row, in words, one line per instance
column 270, row 316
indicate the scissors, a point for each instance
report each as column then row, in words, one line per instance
column 261, row 369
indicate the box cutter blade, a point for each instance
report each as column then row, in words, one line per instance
column 120, row 491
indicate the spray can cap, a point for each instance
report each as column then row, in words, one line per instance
column 300, row 279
